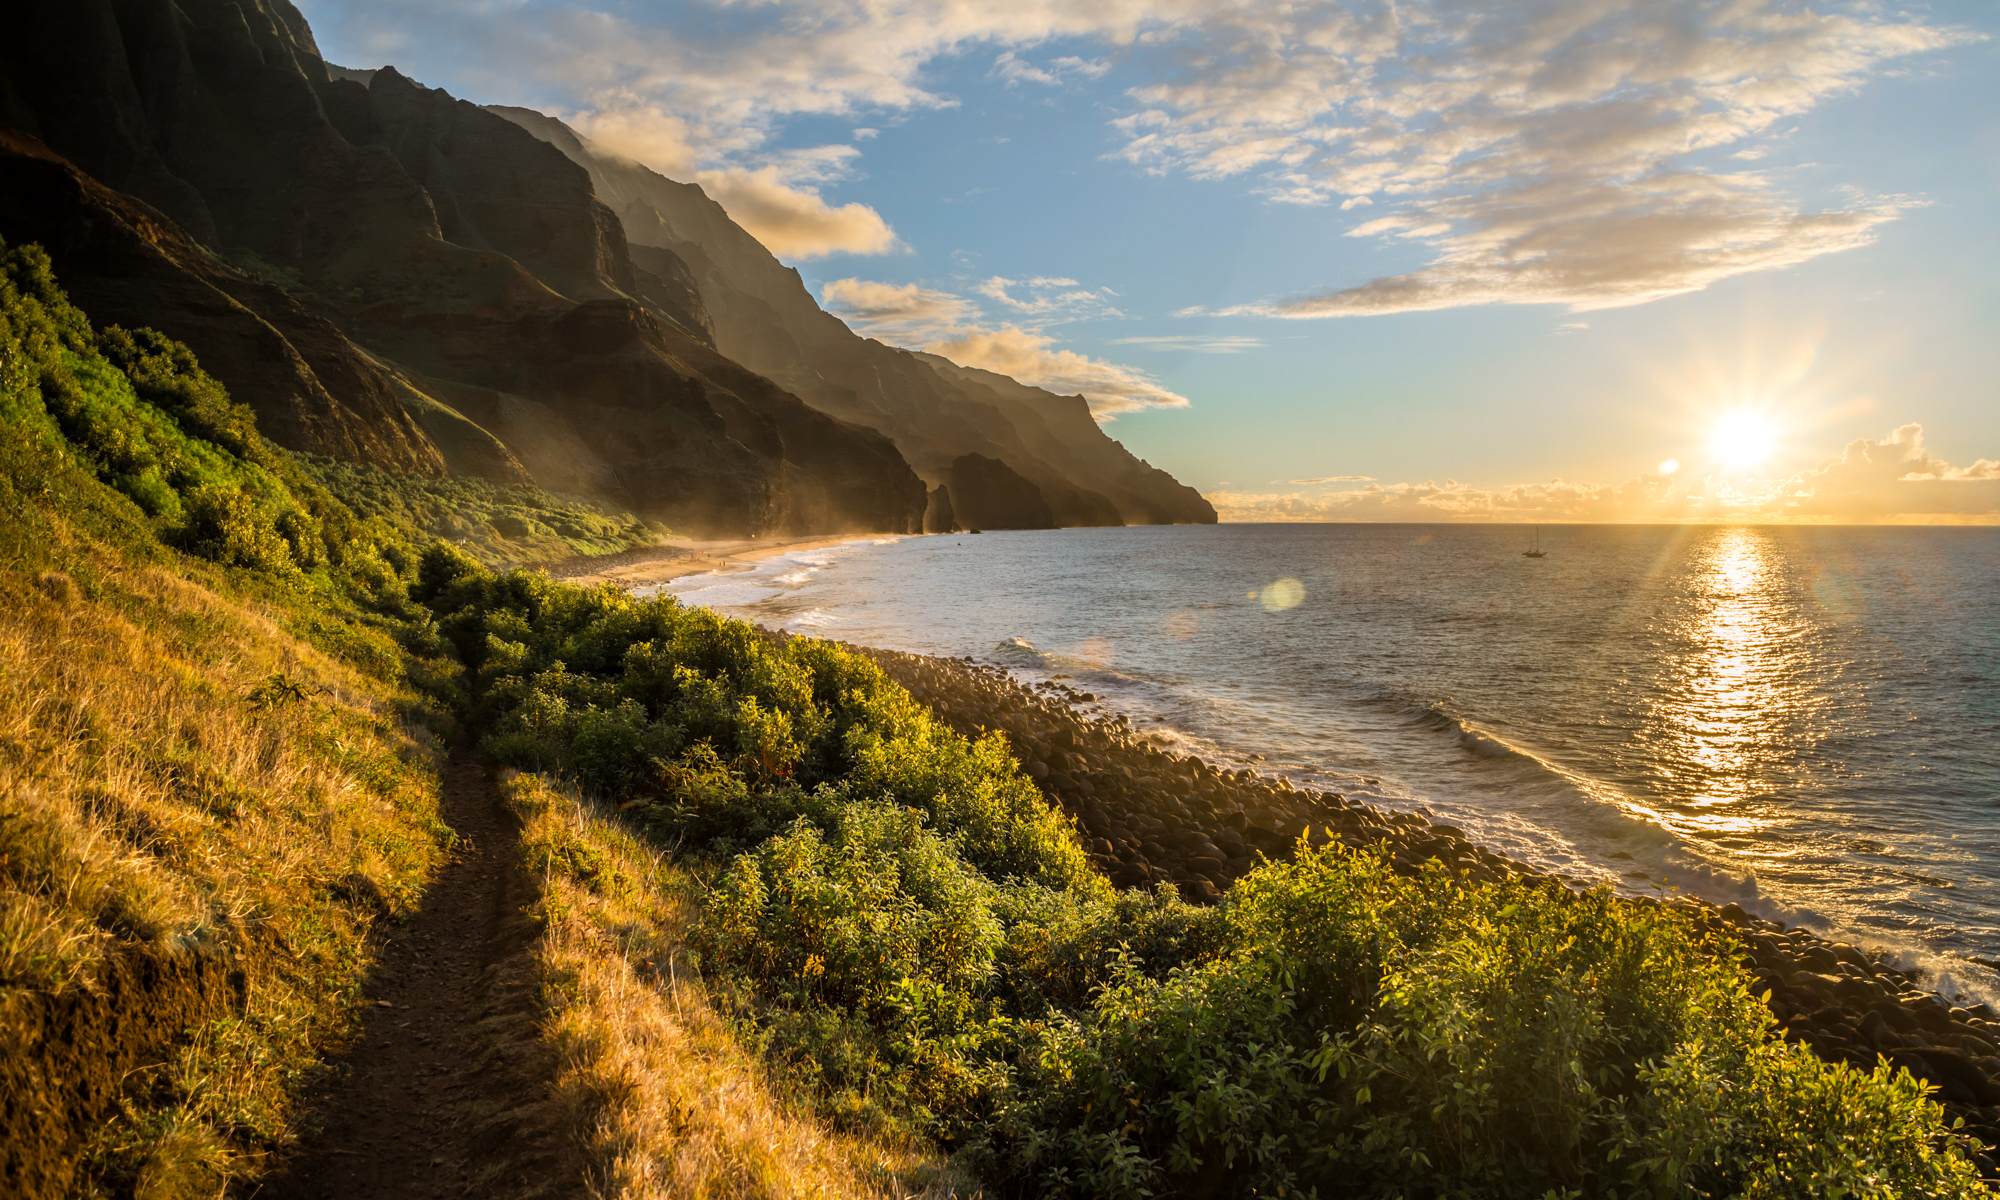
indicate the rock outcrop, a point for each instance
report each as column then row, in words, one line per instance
column 762, row 316
column 985, row 493
column 393, row 276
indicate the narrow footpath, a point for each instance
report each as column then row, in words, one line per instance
column 445, row 1094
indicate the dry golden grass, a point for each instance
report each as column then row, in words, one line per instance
column 156, row 790
column 661, row 1098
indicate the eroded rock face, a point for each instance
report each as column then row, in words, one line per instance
column 210, row 111
column 393, row 252
column 125, row 264
column 763, row 317
column 491, row 188
column 607, row 399
column 436, row 261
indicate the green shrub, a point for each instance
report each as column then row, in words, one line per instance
column 223, row 525
column 912, row 934
column 1369, row 1034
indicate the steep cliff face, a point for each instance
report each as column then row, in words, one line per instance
column 416, row 282
column 390, row 275
column 1061, row 430
column 988, row 494
column 310, row 387
column 210, row 111
column 763, row 317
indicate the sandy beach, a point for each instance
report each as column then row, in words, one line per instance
column 668, row 561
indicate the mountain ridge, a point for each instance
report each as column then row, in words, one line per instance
column 395, row 276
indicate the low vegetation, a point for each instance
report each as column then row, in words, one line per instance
column 499, row 526
column 664, row 1099
column 217, row 764
column 909, row 936
column 798, row 937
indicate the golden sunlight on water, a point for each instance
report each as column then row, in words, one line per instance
column 1742, row 682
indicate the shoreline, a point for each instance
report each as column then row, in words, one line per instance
column 651, row 566
column 1149, row 816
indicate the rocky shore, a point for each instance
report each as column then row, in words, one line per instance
column 1150, row 816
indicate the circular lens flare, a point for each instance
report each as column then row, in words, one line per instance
column 1743, row 439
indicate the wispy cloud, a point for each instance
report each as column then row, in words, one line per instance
column 957, row 328
column 779, row 201
column 1195, row 344
column 1893, row 478
column 1046, row 299
column 1576, row 152
column 1033, row 358
column 1014, row 70
column 1334, row 479
column 1546, row 151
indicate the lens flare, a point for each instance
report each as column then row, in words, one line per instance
column 1743, row 439
column 1286, row 593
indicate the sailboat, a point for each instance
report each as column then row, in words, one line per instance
column 1534, row 549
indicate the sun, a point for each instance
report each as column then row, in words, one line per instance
column 1743, row 439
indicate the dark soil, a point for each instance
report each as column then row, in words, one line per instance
column 446, row 1092
column 66, row 1059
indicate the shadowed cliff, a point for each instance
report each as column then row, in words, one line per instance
column 763, row 316
column 393, row 276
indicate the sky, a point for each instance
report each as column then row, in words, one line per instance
column 1544, row 260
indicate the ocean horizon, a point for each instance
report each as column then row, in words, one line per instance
column 1798, row 719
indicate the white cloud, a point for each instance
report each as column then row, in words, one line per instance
column 1047, row 299
column 1890, row 479
column 1584, row 152
column 1014, row 70
column 1547, row 151
column 1195, row 344
column 1033, row 359
column 778, row 202
column 1335, row 479
column 905, row 314
column 955, row 327
column 794, row 221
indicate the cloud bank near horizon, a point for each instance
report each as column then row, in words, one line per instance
column 1890, row 479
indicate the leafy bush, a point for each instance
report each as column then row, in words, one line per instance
column 910, row 933
column 148, row 421
column 1370, row 1034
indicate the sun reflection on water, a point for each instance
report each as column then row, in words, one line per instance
column 1738, row 684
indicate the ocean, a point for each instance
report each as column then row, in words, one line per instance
column 1804, row 720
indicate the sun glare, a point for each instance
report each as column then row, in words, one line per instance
column 1743, row 439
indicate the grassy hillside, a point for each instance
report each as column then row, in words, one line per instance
column 797, row 935
column 217, row 761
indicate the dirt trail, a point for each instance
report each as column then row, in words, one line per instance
column 445, row 1094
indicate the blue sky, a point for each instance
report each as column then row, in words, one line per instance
column 1606, row 228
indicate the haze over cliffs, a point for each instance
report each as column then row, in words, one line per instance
column 396, row 277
